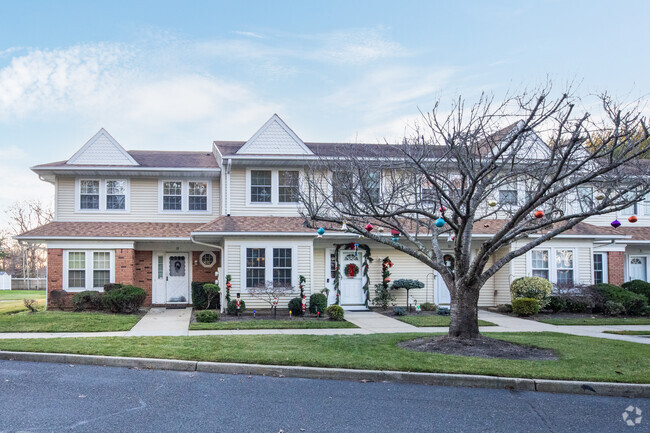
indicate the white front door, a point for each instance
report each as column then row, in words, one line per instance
column 638, row 268
column 351, row 287
column 330, row 274
column 442, row 292
column 177, row 281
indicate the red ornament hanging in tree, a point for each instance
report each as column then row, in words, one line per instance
column 369, row 227
column 633, row 219
column 394, row 232
column 539, row 214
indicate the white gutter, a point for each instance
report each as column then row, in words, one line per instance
column 101, row 238
column 122, row 168
column 228, row 172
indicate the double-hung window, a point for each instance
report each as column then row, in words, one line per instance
column 508, row 197
column 87, row 270
column 261, row 186
column 255, row 267
column 89, row 194
column 371, row 183
column 540, row 263
column 600, row 271
column 198, row 196
column 288, row 186
column 564, row 266
column 173, row 195
column 115, row 194
column 282, row 266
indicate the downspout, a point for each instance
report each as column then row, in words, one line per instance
column 222, row 262
column 228, row 170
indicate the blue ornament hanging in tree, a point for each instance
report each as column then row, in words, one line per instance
column 321, row 232
column 440, row 222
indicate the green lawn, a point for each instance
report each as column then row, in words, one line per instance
column 11, row 301
column 272, row 324
column 59, row 321
column 580, row 358
column 597, row 321
column 433, row 320
column 628, row 332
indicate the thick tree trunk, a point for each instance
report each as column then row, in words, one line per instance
column 464, row 313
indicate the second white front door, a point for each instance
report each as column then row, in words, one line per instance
column 638, row 268
column 351, row 278
column 177, row 280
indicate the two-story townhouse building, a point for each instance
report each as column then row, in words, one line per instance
column 161, row 220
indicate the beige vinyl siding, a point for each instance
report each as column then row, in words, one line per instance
column 144, row 205
column 319, row 269
column 238, row 191
column 234, row 247
column 499, row 282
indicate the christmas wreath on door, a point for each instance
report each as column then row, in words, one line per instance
column 351, row 270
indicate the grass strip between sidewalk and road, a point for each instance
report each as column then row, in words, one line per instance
column 431, row 320
column 271, row 324
column 592, row 321
column 61, row 321
column 628, row 332
column 580, row 358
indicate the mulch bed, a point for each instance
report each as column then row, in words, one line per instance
column 267, row 313
column 482, row 347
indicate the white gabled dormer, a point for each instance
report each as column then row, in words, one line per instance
column 274, row 138
column 102, row 149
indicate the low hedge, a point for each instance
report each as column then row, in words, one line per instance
column 87, row 300
column 295, row 306
column 532, row 287
column 206, row 316
column 127, row 299
column 639, row 287
column 633, row 303
column 525, row 306
column 335, row 312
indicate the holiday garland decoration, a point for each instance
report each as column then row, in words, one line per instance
column 228, row 286
column 301, row 284
column 367, row 258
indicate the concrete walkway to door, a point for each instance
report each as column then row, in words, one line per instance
column 162, row 321
column 375, row 322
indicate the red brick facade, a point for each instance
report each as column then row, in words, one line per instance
column 54, row 269
column 125, row 266
column 202, row 274
column 143, row 273
column 616, row 267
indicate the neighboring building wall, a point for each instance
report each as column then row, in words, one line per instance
column 143, row 273
column 616, row 267
column 143, row 204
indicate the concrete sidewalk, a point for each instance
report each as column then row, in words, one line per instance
column 162, row 321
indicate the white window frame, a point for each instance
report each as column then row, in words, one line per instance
column 268, row 256
column 88, row 269
column 548, row 268
column 275, row 187
column 102, row 195
column 208, row 253
column 603, row 256
column 552, row 262
column 185, row 194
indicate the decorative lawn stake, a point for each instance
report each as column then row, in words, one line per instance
column 369, row 227
column 304, row 304
column 317, row 313
column 238, row 303
column 616, row 224
column 539, row 214
column 275, row 307
column 633, row 219
column 321, row 232
column 290, row 316
column 492, row 203
column 254, row 312
column 440, row 222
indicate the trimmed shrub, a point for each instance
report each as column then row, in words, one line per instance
column 335, row 312
column 612, row 308
column 57, row 298
column 633, row 303
column 295, row 306
column 87, row 300
column 206, row 316
column 428, row 306
column 556, row 303
column 112, row 286
column 504, row 308
column 532, row 287
column 317, row 303
column 232, row 307
column 399, row 311
column 525, row 306
column 639, row 287
column 200, row 298
column 127, row 299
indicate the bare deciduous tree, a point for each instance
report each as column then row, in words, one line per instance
column 271, row 293
column 465, row 169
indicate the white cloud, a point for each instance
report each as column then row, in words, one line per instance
column 356, row 46
column 249, row 34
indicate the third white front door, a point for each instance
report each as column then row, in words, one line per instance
column 638, row 268
column 177, row 278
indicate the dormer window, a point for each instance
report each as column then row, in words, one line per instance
column 277, row 187
column 261, row 186
column 101, row 195
column 288, row 186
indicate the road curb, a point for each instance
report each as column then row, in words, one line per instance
column 438, row 379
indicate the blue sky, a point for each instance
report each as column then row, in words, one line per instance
column 177, row 75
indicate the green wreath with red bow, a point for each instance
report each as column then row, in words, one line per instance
column 351, row 270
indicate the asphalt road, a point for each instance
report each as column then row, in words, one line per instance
column 42, row 397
